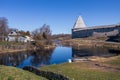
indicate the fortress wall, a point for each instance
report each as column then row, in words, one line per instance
column 103, row 31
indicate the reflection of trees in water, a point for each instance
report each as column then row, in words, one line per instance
column 14, row 59
column 114, row 51
column 93, row 51
column 41, row 57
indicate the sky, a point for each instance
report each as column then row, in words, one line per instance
column 61, row 15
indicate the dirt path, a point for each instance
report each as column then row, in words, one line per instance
column 103, row 67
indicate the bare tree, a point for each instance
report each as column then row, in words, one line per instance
column 37, row 34
column 46, row 32
column 3, row 27
column 42, row 33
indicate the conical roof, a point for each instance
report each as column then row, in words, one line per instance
column 79, row 23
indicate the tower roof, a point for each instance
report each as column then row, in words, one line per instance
column 79, row 23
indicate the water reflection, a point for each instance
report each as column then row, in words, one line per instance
column 54, row 56
column 13, row 59
column 31, row 58
column 41, row 58
column 93, row 51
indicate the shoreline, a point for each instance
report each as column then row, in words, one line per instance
column 13, row 51
column 5, row 51
column 90, row 43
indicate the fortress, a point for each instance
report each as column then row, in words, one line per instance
column 81, row 31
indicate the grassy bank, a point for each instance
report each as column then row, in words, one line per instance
column 90, row 43
column 83, row 71
column 12, row 73
column 113, row 61
column 11, row 51
column 10, row 47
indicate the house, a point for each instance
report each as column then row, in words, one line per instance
column 28, row 39
column 17, row 37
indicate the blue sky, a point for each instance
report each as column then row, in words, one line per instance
column 59, row 14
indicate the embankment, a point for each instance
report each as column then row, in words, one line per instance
column 90, row 43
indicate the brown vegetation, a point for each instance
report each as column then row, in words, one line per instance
column 3, row 28
column 99, row 42
column 61, row 36
column 42, row 37
column 8, row 47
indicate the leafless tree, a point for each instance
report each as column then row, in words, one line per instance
column 3, row 27
column 42, row 33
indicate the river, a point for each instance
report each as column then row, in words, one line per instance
column 56, row 56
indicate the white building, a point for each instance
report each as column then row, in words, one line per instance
column 17, row 37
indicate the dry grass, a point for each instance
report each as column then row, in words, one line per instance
column 113, row 61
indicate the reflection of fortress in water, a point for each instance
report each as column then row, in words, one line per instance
column 86, row 52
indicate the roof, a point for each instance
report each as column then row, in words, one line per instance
column 98, row 27
column 79, row 23
column 14, row 33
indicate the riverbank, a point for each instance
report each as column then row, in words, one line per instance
column 12, row 47
column 88, row 70
column 96, row 68
column 90, row 43
column 22, row 50
column 99, row 69
column 113, row 61
column 11, row 51
column 12, row 73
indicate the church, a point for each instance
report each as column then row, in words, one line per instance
column 81, row 31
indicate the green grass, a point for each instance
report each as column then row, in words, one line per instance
column 12, row 73
column 11, row 43
column 82, row 71
column 114, row 62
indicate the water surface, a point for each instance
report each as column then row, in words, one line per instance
column 56, row 56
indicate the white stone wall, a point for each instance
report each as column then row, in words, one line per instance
column 103, row 31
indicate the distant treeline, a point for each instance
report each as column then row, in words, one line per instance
column 61, row 36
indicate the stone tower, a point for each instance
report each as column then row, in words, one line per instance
column 79, row 23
